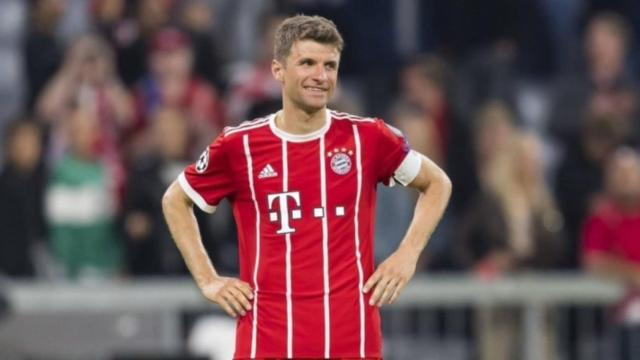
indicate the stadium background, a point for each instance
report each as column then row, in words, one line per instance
column 531, row 106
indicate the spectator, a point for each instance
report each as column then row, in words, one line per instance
column 424, row 82
column 83, row 236
column 150, row 247
column 610, row 232
column 42, row 52
column 492, row 131
column 513, row 226
column 130, row 27
column 196, row 18
column 604, row 86
column 252, row 88
column 580, row 172
column 170, row 83
column 21, row 191
column 88, row 80
column 610, row 238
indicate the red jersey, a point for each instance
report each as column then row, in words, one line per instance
column 612, row 231
column 304, row 206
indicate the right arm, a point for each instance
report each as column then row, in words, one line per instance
column 613, row 267
column 233, row 295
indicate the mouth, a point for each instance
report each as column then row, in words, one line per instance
column 316, row 90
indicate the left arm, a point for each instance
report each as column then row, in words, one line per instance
column 395, row 272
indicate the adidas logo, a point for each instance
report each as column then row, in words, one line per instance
column 267, row 172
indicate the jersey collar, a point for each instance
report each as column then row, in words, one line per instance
column 299, row 137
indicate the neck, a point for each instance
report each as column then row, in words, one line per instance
column 297, row 121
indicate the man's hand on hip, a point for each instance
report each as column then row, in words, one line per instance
column 391, row 277
column 233, row 295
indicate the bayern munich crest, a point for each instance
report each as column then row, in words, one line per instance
column 340, row 160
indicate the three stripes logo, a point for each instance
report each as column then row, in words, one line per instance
column 267, row 172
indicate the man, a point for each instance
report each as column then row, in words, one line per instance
column 302, row 185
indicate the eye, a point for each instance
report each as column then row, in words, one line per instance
column 306, row 62
column 330, row 66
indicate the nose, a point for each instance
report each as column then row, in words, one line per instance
column 320, row 73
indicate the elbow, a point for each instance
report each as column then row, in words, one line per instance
column 175, row 197
column 447, row 185
column 443, row 183
column 169, row 198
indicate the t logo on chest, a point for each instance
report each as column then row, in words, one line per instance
column 279, row 210
column 282, row 213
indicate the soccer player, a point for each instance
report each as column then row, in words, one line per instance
column 302, row 184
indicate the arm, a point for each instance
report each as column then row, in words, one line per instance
column 613, row 267
column 121, row 102
column 393, row 274
column 53, row 103
column 231, row 294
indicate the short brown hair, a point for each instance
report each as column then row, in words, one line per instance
column 302, row 27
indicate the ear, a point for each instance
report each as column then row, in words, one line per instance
column 277, row 69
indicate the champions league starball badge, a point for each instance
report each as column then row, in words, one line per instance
column 203, row 161
column 340, row 160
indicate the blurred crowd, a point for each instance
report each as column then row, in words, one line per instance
column 531, row 108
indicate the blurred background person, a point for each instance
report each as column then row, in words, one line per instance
column 150, row 248
column 88, row 80
column 253, row 91
column 513, row 226
column 424, row 82
column 610, row 245
column 579, row 176
column 43, row 52
column 515, row 201
column 197, row 20
column 81, row 204
column 21, row 199
column 130, row 27
column 171, row 82
column 603, row 83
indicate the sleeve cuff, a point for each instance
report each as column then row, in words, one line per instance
column 194, row 196
column 409, row 168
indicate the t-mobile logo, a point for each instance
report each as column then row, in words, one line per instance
column 282, row 213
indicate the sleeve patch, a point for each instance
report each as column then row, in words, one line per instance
column 409, row 168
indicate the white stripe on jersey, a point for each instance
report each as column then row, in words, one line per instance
column 356, row 137
column 254, row 329
column 345, row 116
column 285, row 185
column 245, row 123
column 194, row 195
column 248, row 126
column 325, row 252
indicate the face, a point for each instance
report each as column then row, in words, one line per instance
column 82, row 129
column 623, row 176
column 604, row 46
column 170, row 134
column 309, row 74
column 25, row 147
column 176, row 63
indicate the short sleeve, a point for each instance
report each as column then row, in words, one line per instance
column 396, row 160
column 210, row 179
